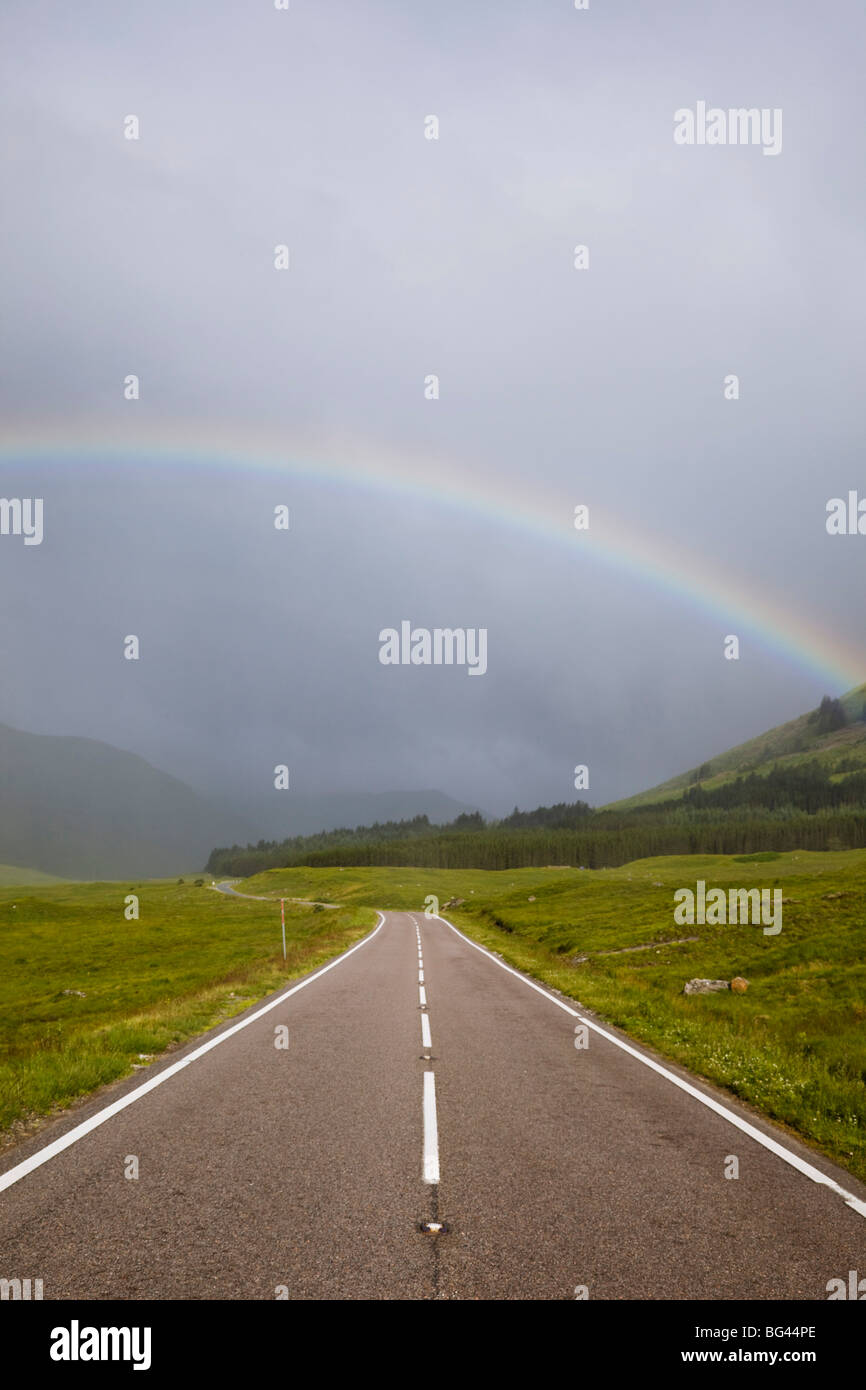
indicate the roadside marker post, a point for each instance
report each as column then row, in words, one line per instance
column 283, row 919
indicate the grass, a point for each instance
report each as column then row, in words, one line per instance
column 86, row 995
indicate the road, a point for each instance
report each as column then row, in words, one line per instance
column 420, row 1082
column 227, row 887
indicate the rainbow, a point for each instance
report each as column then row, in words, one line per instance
column 692, row 578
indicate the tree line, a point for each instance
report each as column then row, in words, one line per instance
column 789, row 809
column 801, row 807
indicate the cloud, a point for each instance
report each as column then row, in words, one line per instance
column 408, row 257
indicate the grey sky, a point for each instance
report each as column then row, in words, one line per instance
column 411, row 256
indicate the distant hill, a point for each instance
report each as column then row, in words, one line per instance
column 806, row 739
column 12, row 876
column 801, row 785
column 79, row 809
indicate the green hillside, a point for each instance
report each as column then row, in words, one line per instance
column 13, row 876
column 802, row 740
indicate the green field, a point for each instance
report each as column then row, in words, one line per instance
column 794, row 1045
column 85, row 995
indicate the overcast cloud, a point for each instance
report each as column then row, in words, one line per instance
column 412, row 256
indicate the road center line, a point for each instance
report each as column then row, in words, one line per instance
column 431, row 1132
column 422, row 995
column 79, row 1131
column 809, row 1171
column 426, row 1040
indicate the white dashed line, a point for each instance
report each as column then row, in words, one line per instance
column 431, row 1132
column 431, row 1127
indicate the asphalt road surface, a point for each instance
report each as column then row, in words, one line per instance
column 418, row 1081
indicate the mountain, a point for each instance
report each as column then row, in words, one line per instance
column 806, row 739
column 11, row 876
column 81, row 809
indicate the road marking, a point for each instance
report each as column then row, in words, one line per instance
column 815, row 1174
column 426, row 1040
column 431, row 1132
column 422, row 995
column 79, row 1131
column 420, row 977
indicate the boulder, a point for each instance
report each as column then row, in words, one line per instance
column 704, row 986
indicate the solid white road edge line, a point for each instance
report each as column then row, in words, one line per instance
column 78, row 1132
column 856, row 1203
column 431, row 1132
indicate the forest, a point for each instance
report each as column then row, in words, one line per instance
column 802, row 807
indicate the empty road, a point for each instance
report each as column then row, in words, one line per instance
column 417, row 1080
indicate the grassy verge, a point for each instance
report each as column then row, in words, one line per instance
column 86, row 995
column 793, row 1046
